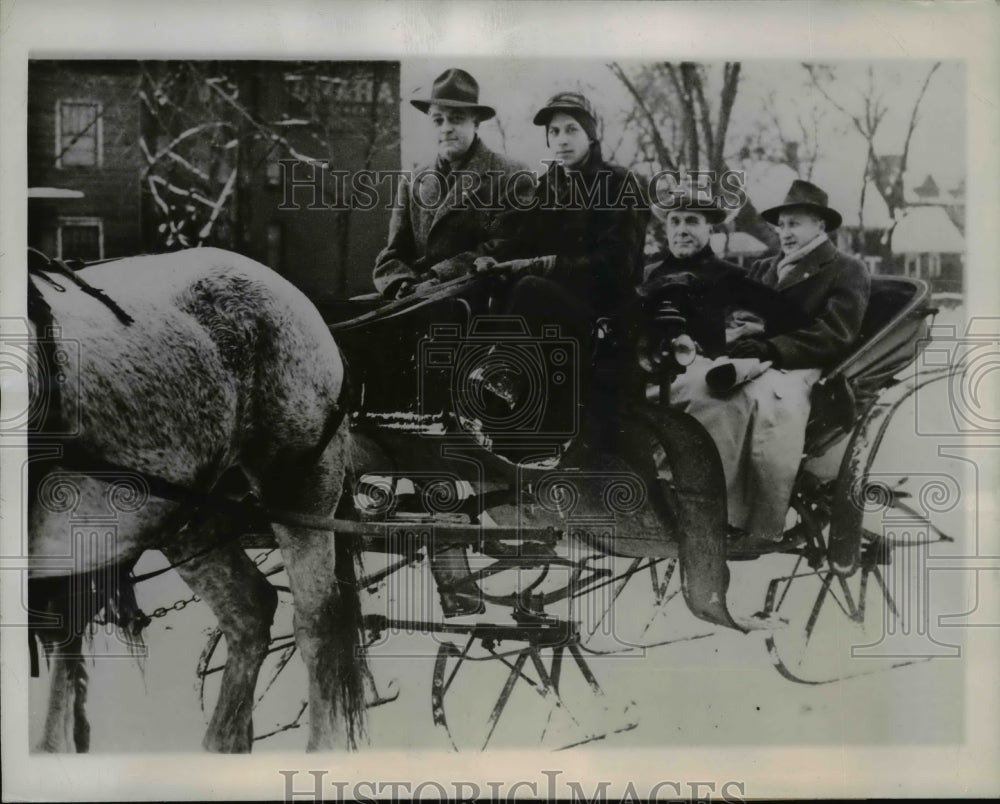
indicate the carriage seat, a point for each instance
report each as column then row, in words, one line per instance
column 893, row 332
column 381, row 341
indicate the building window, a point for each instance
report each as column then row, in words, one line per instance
column 79, row 134
column 81, row 239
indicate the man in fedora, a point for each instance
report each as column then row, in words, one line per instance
column 728, row 301
column 447, row 210
column 759, row 426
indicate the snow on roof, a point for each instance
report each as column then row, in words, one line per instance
column 927, row 230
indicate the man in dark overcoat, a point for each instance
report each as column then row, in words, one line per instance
column 447, row 210
column 721, row 298
column 759, row 425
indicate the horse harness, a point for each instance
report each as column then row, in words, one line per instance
column 77, row 458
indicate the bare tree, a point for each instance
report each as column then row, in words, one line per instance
column 681, row 114
column 207, row 136
column 885, row 172
column 665, row 93
column 791, row 140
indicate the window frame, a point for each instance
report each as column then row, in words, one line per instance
column 77, row 220
column 99, row 163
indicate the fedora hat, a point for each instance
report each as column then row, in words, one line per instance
column 807, row 196
column 457, row 89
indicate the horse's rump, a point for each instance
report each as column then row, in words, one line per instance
column 226, row 364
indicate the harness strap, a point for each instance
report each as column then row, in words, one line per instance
column 60, row 267
column 78, row 459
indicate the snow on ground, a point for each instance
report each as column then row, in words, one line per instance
column 719, row 691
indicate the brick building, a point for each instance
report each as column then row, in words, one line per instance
column 170, row 155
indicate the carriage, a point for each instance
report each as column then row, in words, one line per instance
column 560, row 524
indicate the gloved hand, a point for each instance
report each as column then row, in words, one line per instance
column 426, row 287
column 753, row 348
column 537, row 266
column 483, row 265
column 404, row 289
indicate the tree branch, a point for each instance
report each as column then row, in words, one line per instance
column 697, row 82
column 914, row 116
column 730, row 84
column 667, row 161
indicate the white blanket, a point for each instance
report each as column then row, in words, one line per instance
column 758, row 426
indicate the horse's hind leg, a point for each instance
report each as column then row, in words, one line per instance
column 327, row 609
column 244, row 603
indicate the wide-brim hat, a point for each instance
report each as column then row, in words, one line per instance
column 457, row 89
column 807, row 196
column 572, row 103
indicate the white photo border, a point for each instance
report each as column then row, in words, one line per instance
column 336, row 30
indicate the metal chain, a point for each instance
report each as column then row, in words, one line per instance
column 179, row 605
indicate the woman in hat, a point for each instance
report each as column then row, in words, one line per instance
column 445, row 212
column 576, row 255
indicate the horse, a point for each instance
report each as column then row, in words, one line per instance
column 187, row 369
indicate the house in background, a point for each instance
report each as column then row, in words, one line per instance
column 83, row 124
column 926, row 238
column 169, row 155
column 927, row 244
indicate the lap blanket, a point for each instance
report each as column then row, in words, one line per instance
column 757, row 417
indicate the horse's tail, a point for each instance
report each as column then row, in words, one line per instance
column 352, row 671
column 63, row 612
column 66, row 607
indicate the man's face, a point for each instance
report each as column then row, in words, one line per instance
column 568, row 141
column 796, row 228
column 687, row 233
column 455, row 130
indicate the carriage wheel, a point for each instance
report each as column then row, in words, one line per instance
column 643, row 606
column 834, row 627
column 640, row 606
column 541, row 695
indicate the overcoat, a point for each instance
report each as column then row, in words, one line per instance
column 713, row 288
column 831, row 289
column 759, row 427
column 440, row 223
column 594, row 222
